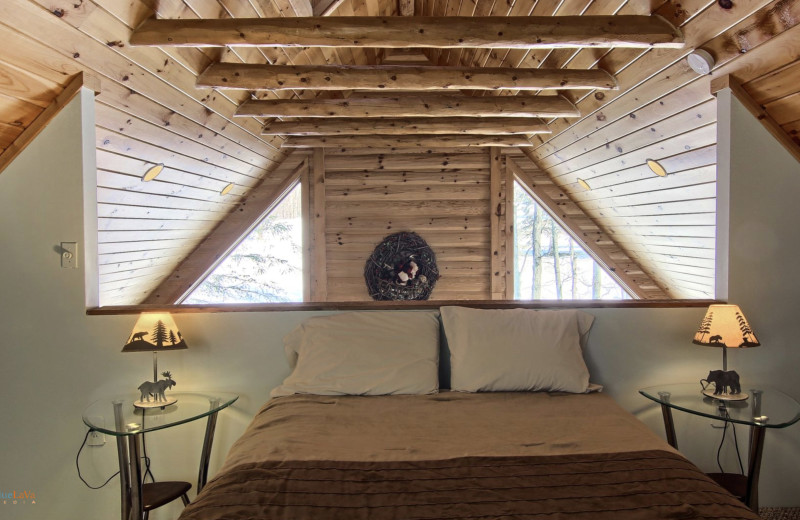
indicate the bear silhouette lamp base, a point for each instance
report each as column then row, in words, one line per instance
column 724, row 326
column 726, row 383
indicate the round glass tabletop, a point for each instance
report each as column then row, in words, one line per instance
column 765, row 406
column 189, row 407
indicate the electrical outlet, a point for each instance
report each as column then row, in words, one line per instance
column 96, row 438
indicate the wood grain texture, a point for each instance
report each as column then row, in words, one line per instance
column 417, row 141
column 415, row 32
column 26, row 136
column 388, row 77
column 116, row 310
column 412, row 105
column 405, row 126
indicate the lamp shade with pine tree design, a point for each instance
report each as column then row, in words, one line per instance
column 725, row 326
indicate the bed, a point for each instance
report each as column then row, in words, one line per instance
column 428, row 455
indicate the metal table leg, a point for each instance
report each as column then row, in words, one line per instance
column 754, row 466
column 205, row 455
column 137, row 506
column 669, row 426
column 122, row 454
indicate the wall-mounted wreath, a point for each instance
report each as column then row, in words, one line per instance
column 402, row 267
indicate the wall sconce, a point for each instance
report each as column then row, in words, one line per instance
column 656, row 167
column 152, row 172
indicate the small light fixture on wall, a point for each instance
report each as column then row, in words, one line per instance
column 724, row 326
column 153, row 172
column 656, row 167
column 227, row 189
column 162, row 334
column 584, row 185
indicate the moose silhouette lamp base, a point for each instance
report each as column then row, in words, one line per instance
column 162, row 334
column 155, row 404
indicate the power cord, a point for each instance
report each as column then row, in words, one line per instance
column 147, row 470
column 724, row 409
column 77, row 464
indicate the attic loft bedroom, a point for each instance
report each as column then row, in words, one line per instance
column 403, row 125
column 404, row 122
column 143, row 143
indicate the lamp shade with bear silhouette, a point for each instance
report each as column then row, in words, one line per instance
column 725, row 326
column 155, row 332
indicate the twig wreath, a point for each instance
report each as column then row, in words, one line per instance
column 402, row 267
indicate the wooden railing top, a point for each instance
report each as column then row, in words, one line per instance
column 398, row 305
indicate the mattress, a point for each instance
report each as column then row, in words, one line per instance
column 456, row 455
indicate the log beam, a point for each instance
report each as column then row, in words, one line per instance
column 427, row 125
column 489, row 32
column 417, row 142
column 342, row 77
column 429, row 105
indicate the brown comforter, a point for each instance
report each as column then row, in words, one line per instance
column 459, row 456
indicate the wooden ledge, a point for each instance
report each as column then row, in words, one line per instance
column 399, row 305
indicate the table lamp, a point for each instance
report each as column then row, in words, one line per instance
column 724, row 326
column 162, row 334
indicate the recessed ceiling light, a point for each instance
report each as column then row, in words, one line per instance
column 656, row 167
column 153, row 172
column 584, row 184
column 227, row 189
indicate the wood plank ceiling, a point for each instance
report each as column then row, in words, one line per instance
column 152, row 109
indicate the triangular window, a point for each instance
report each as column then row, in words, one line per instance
column 549, row 264
column 267, row 266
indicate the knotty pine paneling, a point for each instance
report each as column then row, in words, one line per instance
column 149, row 111
column 443, row 198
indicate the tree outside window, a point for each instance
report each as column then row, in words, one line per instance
column 549, row 264
column 267, row 266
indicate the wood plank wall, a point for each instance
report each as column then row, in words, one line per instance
column 445, row 197
column 150, row 112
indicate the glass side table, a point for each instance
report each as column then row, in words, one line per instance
column 120, row 419
column 765, row 408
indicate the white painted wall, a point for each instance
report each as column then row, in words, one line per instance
column 55, row 359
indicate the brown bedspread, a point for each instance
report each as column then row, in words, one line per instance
column 499, row 455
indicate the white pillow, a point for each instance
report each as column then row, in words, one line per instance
column 364, row 353
column 516, row 349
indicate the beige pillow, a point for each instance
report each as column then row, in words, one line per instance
column 516, row 349
column 364, row 353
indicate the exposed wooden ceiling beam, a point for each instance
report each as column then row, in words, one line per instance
column 431, row 105
column 493, row 32
column 398, row 77
column 427, row 125
column 418, row 142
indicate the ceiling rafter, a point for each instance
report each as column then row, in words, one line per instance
column 418, row 142
column 398, row 77
column 412, row 105
column 490, row 32
column 402, row 126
